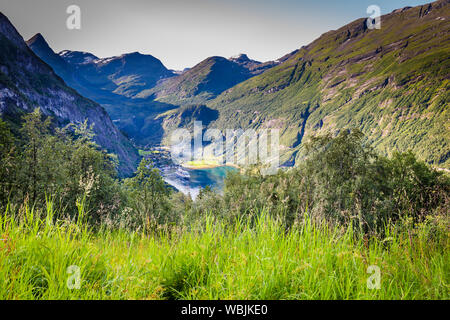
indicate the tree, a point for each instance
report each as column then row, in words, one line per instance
column 148, row 195
column 8, row 163
column 416, row 188
column 91, row 172
column 347, row 177
column 34, row 131
column 66, row 165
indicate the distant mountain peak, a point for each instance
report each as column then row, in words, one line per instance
column 8, row 30
column 240, row 57
column 29, row 82
column 135, row 53
column 42, row 49
column 243, row 60
column 139, row 58
column 37, row 37
column 38, row 41
column 214, row 58
column 77, row 57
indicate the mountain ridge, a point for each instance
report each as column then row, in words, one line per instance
column 134, row 105
column 392, row 83
column 206, row 80
column 102, row 78
column 27, row 82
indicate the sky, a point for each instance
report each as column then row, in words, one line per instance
column 181, row 33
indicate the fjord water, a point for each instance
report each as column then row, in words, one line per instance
column 191, row 181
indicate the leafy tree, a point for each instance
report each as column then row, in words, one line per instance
column 341, row 181
column 35, row 133
column 8, row 163
column 65, row 164
column 90, row 172
column 348, row 178
column 416, row 188
column 148, row 196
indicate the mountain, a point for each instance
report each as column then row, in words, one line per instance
column 136, row 88
column 102, row 79
column 26, row 82
column 392, row 83
column 125, row 75
column 112, row 82
column 256, row 67
column 63, row 69
column 41, row 48
column 206, row 80
column 253, row 66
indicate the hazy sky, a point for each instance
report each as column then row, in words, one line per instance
column 181, row 33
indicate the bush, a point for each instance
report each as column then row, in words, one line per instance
column 342, row 181
column 148, row 197
column 65, row 164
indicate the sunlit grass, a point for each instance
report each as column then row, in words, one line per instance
column 202, row 164
column 212, row 260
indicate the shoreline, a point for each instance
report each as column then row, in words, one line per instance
column 193, row 165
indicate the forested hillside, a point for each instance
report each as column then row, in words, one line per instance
column 392, row 83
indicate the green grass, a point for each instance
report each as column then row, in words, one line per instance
column 212, row 260
column 202, row 164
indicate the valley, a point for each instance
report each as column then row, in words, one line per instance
column 319, row 175
column 393, row 84
column 188, row 178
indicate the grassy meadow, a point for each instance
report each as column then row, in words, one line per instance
column 346, row 223
column 211, row 260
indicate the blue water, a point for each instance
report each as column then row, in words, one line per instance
column 213, row 177
column 190, row 181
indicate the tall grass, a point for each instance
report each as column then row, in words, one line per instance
column 212, row 260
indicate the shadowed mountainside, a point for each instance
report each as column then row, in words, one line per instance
column 26, row 82
column 391, row 83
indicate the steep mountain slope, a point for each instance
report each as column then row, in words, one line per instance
column 111, row 82
column 125, row 75
column 206, row 80
column 136, row 88
column 41, row 48
column 114, row 82
column 66, row 70
column 392, row 83
column 102, row 79
column 26, row 82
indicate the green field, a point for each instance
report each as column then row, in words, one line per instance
column 212, row 260
column 329, row 228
